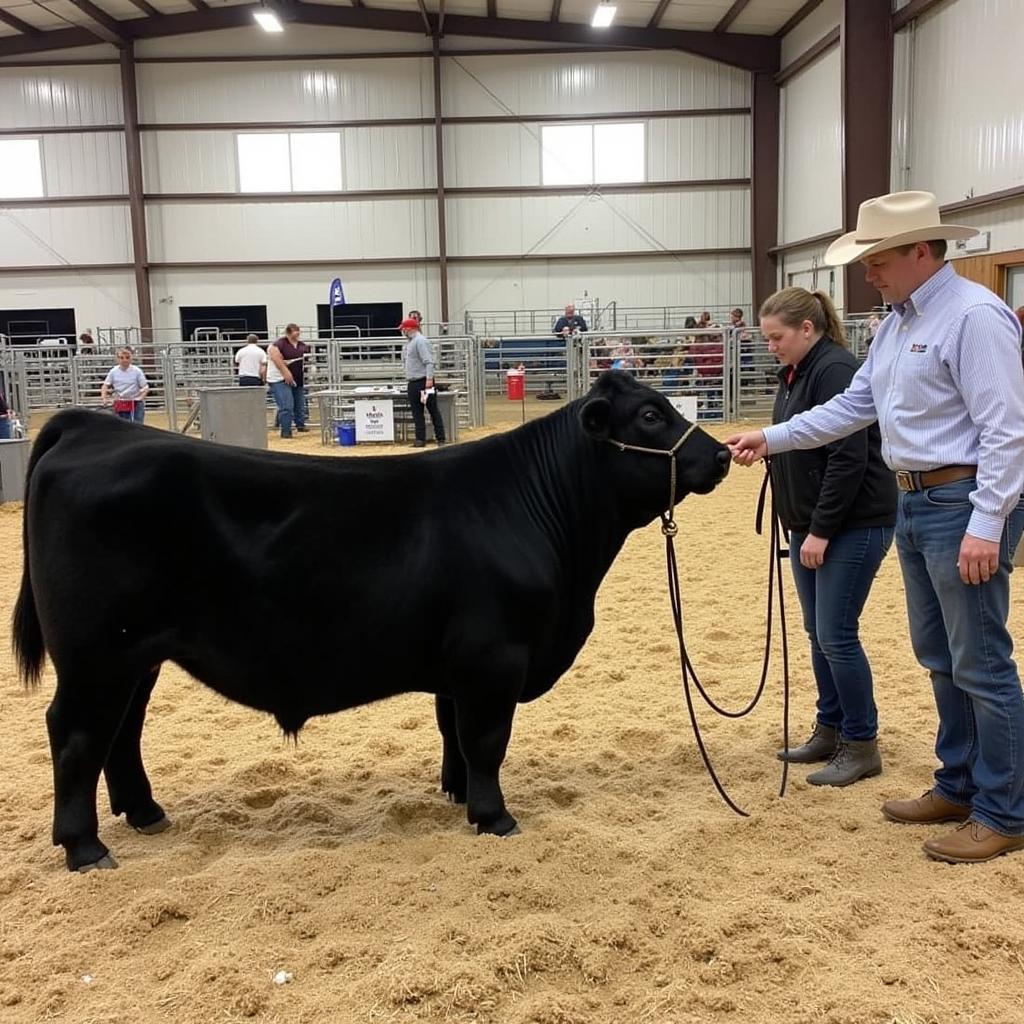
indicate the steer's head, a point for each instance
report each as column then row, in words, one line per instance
column 620, row 409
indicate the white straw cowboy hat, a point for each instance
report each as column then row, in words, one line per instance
column 888, row 221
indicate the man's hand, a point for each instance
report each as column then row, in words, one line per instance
column 978, row 560
column 812, row 551
column 430, row 382
column 289, row 379
column 748, row 448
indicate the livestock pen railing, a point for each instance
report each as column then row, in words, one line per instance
column 730, row 371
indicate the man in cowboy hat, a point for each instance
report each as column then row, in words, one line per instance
column 943, row 379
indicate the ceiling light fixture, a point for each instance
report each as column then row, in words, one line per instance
column 604, row 15
column 267, row 20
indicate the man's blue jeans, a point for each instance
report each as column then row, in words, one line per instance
column 291, row 405
column 959, row 634
column 832, row 598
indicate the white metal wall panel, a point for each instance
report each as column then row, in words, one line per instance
column 516, row 224
column 291, row 231
column 59, row 96
column 967, row 120
column 292, row 294
column 713, row 281
column 810, row 184
column 1005, row 222
column 87, row 164
column 398, row 156
column 818, row 23
column 65, row 234
column 283, row 91
column 105, row 299
column 589, row 83
column 678, row 148
column 806, row 268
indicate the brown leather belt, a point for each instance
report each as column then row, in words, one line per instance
column 910, row 480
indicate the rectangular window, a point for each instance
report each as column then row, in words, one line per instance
column 296, row 162
column 593, row 154
column 21, row 169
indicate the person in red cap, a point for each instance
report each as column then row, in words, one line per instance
column 418, row 358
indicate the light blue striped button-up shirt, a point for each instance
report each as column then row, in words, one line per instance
column 943, row 378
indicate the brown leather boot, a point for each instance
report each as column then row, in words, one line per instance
column 853, row 760
column 972, row 843
column 927, row 809
column 819, row 747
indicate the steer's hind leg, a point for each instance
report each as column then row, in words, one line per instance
column 453, row 764
column 127, row 783
column 82, row 720
column 484, row 726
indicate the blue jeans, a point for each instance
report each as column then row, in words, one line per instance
column 5, row 429
column 959, row 634
column 832, row 598
column 291, row 405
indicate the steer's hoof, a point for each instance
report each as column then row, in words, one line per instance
column 105, row 863
column 154, row 828
column 504, row 827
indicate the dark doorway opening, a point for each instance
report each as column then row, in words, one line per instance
column 31, row 326
column 233, row 322
column 373, row 319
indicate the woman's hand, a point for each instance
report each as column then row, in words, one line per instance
column 812, row 551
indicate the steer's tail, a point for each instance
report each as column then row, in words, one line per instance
column 27, row 634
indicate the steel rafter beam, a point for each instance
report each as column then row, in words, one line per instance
column 797, row 18
column 424, row 14
column 731, row 15
column 101, row 24
column 147, row 8
column 659, row 13
column 742, row 50
column 556, row 10
column 492, row 8
column 22, row 26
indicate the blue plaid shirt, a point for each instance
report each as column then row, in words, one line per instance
column 944, row 379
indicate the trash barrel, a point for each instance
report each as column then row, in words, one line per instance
column 515, row 385
column 346, row 432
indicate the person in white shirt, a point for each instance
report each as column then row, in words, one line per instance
column 251, row 361
column 125, row 387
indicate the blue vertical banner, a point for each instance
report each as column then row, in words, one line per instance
column 337, row 297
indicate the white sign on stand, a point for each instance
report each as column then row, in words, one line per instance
column 686, row 406
column 375, row 420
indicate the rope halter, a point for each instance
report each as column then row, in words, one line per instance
column 668, row 523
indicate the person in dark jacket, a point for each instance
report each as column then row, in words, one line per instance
column 839, row 505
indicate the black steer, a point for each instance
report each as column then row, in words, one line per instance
column 469, row 574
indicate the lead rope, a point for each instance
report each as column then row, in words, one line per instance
column 669, row 529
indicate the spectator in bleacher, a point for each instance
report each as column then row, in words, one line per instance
column 125, row 387
column 570, row 323
column 286, row 380
column 251, row 361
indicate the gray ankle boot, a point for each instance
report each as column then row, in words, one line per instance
column 820, row 747
column 853, row 760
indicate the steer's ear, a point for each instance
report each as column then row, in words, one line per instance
column 596, row 417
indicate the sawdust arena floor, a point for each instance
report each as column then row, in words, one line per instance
column 632, row 896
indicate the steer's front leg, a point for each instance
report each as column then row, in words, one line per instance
column 484, row 723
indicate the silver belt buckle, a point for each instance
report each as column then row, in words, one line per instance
column 905, row 480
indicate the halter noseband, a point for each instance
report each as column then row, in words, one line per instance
column 668, row 524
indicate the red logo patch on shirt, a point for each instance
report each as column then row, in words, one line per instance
column 918, row 347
